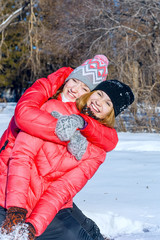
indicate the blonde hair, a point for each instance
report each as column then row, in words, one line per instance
column 109, row 120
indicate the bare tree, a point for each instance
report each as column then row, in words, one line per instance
column 13, row 15
column 18, row 45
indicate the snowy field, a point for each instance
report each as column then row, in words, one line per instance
column 123, row 197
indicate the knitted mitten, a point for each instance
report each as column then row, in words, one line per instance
column 77, row 145
column 14, row 216
column 67, row 125
column 29, row 230
column 20, row 231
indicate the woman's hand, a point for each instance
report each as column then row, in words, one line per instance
column 14, row 216
column 67, row 125
column 28, row 230
column 77, row 145
column 24, row 231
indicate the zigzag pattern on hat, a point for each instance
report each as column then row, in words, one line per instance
column 96, row 69
column 94, row 60
column 97, row 64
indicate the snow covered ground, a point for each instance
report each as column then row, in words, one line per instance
column 123, row 197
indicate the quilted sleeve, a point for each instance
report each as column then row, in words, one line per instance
column 20, row 164
column 28, row 115
column 100, row 135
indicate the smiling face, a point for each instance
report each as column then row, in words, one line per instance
column 73, row 89
column 100, row 104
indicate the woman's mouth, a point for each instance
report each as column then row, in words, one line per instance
column 71, row 94
column 94, row 108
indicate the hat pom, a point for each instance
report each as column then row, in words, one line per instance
column 102, row 58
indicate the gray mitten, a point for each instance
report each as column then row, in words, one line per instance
column 77, row 145
column 67, row 125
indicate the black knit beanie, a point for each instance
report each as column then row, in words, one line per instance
column 120, row 94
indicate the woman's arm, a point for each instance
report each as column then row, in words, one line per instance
column 30, row 118
column 96, row 133
column 28, row 115
column 65, row 188
column 100, row 135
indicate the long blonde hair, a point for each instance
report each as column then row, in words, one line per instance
column 109, row 120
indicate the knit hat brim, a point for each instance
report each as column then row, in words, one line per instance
column 92, row 71
column 89, row 79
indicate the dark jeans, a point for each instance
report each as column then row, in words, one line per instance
column 68, row 224
column 65, row 227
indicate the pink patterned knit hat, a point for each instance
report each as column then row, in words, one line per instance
column 92, row 71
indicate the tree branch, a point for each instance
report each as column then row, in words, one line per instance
column 15, row 14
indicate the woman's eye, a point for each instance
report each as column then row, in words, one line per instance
column 86, row 90
column 108, row 104
column 99, row 93
column 74, row 80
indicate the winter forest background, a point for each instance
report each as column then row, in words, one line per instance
column 39, row 36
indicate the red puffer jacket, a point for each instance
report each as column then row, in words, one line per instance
column 43, row 176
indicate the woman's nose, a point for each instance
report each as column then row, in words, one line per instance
column 98, row 102
column 74, row 88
